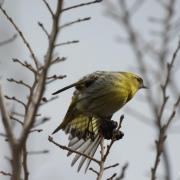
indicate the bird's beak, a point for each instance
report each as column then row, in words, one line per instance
column 143, row 87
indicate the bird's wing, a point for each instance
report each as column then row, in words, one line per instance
column 83, row 83
column 81, row 86
column 70, row 114
column 83, row 127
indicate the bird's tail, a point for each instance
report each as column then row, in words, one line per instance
column 87, row 147
column 84, row 137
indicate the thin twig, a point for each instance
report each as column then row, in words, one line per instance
column 80, row 5
column 67, row 43
column 93, row 170
column 44, row 29
column 16, row 100
column 112, row 177
column 45, row 101
column 104, row 154
column 74, row 22
column 5, row 173
column 112, row 166
column 19, row 82
column 123, row 171
column 25, row 64
column 17, row 120
column 41, row 121
column 49, row 8
column 36, row 130
column 37, row 152
column 58, row 60
column 55, row 77
column 7, row 41
column 6, row 119
column 101, row 165
column 3, row 135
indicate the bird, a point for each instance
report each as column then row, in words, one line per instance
column 96, row 98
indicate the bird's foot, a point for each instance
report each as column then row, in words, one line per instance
column 108, row 128
column 117, row 134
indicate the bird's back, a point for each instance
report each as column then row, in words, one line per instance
column 105, row 95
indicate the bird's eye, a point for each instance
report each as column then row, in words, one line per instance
column 140, row 80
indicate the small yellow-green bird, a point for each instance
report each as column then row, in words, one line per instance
column 96, row 98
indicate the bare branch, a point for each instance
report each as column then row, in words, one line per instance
column 67, row 43
column 5, row 173
column 24, row 163
column 80, row 5
column 19, row 82
column 112, row 166
column 104, row 154
column 112, row 177
column 123, row 171
column 16, row 100
column 49, row 8
column 74, row 22
column 45, row 101
column 55, row 77
column 58, row 60
column 36, row 130
column 101, row 165
column 163, row 128
column 8, row 40
column 41, row 121
column 93, row 170
column 6, row 119
column 3, row 135
column 25, row 64
column 17, row 120
column 44, row 29
column 38, row 152
column 172, row 115
column 40, row 87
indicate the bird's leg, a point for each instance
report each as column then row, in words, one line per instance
column 89, row 133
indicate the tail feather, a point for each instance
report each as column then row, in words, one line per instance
column 82, row 150
column 84, row 137
column 76, row 146
column 73, row 141
column 90, row 152
column 87, row 151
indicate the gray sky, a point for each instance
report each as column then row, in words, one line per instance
column 97, row 50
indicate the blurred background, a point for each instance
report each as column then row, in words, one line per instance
column 104, row 45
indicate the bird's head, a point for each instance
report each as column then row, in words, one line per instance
column 137, row 81
column 134, row 81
